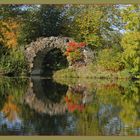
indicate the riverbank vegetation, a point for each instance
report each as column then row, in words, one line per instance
column 109, row 36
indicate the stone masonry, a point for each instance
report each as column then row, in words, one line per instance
column 35, row 52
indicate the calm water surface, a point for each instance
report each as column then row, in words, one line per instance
column 41, row 106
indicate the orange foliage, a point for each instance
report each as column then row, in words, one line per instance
column 9, row 33
column 10, row 109
column 74, row 51
column 73, row 46
column 73, row 106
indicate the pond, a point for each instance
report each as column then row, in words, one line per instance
column 89, row 107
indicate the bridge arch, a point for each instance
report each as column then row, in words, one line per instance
column 36, row 52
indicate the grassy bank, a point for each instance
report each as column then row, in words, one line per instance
column 91, row 71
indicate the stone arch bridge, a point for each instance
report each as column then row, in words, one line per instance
column 36, row 51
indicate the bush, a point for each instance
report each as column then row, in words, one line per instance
column 74, row 52
column 14, row 63
column 131, row 53
column 110, row 59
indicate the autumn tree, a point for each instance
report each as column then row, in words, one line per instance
column 9, row 33
column 11, row 18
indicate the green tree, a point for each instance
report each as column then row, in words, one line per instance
column 95, row 24
column 131, row 18
column 86, row 25
column 131, row 39
column 131, row 54
column 42, row 21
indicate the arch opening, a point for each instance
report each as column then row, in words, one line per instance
column 54, row 60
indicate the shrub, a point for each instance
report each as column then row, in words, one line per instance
column 74, row 52
column 110, row 59
column 14, row 63
column 131, row 54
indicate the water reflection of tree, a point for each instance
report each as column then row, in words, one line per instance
column 32, row 121
column 130, row 113
column 43, row 124
column 87, row 119
column 11, row 93
column 116, row 105
column 113, row 110
column 10, row 109
column 110, row 101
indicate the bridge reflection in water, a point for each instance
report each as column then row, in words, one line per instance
column 46, row 96
column 39, row 106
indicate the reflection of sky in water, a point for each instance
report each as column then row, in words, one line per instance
column 14, row 124
column 71, row 123
column 113, row 122
column 114, row 125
